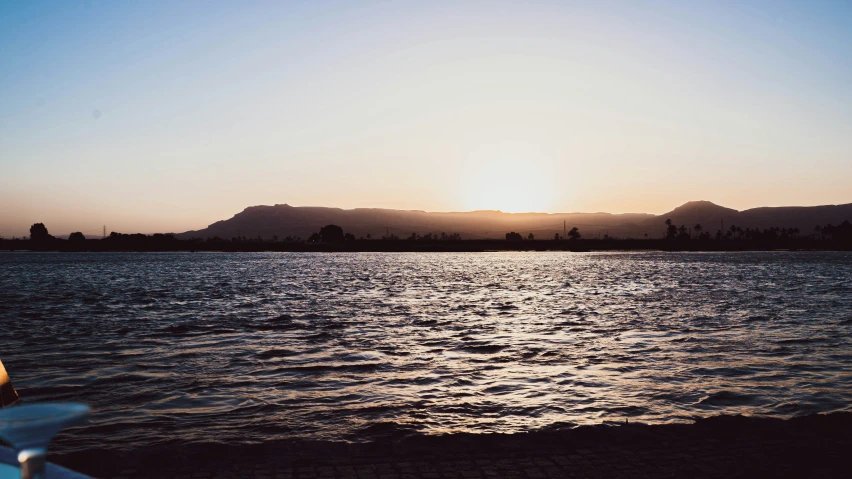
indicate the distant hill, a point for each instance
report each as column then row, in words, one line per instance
column 285, row 220
column 712, row 217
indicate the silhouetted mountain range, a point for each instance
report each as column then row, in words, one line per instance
column 285, row 220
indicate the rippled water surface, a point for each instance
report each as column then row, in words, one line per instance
column 246, row 348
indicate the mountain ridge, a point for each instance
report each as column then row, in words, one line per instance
column 283, row 220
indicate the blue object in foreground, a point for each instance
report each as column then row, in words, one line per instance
column 9, row 468
column 29, row 429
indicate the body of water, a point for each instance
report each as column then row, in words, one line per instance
column 251, row 347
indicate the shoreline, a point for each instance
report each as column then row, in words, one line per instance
column 721, row 446
column 474, row 247
column 168, row 243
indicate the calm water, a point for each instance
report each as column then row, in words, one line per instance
column 244, row 348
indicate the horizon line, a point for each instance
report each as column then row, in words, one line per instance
column 470, row 212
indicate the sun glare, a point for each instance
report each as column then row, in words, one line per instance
column 508, row 180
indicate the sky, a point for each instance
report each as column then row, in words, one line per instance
column 168, row 116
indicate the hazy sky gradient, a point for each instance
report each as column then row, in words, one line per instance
column 167, row 116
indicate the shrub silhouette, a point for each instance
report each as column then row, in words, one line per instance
column 38, row 232
column 842, row 232
column 512, row 236
column 331, row 233
column 76, row 237
column 574, row 234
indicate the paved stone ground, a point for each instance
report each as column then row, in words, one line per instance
column 817, row 446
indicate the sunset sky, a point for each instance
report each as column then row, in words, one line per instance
column 167, row 116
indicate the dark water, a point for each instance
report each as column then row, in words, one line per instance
column 246, row 348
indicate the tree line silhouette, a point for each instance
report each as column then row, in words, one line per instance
column 334, row 238
column 573, row 234
column 842, row 232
